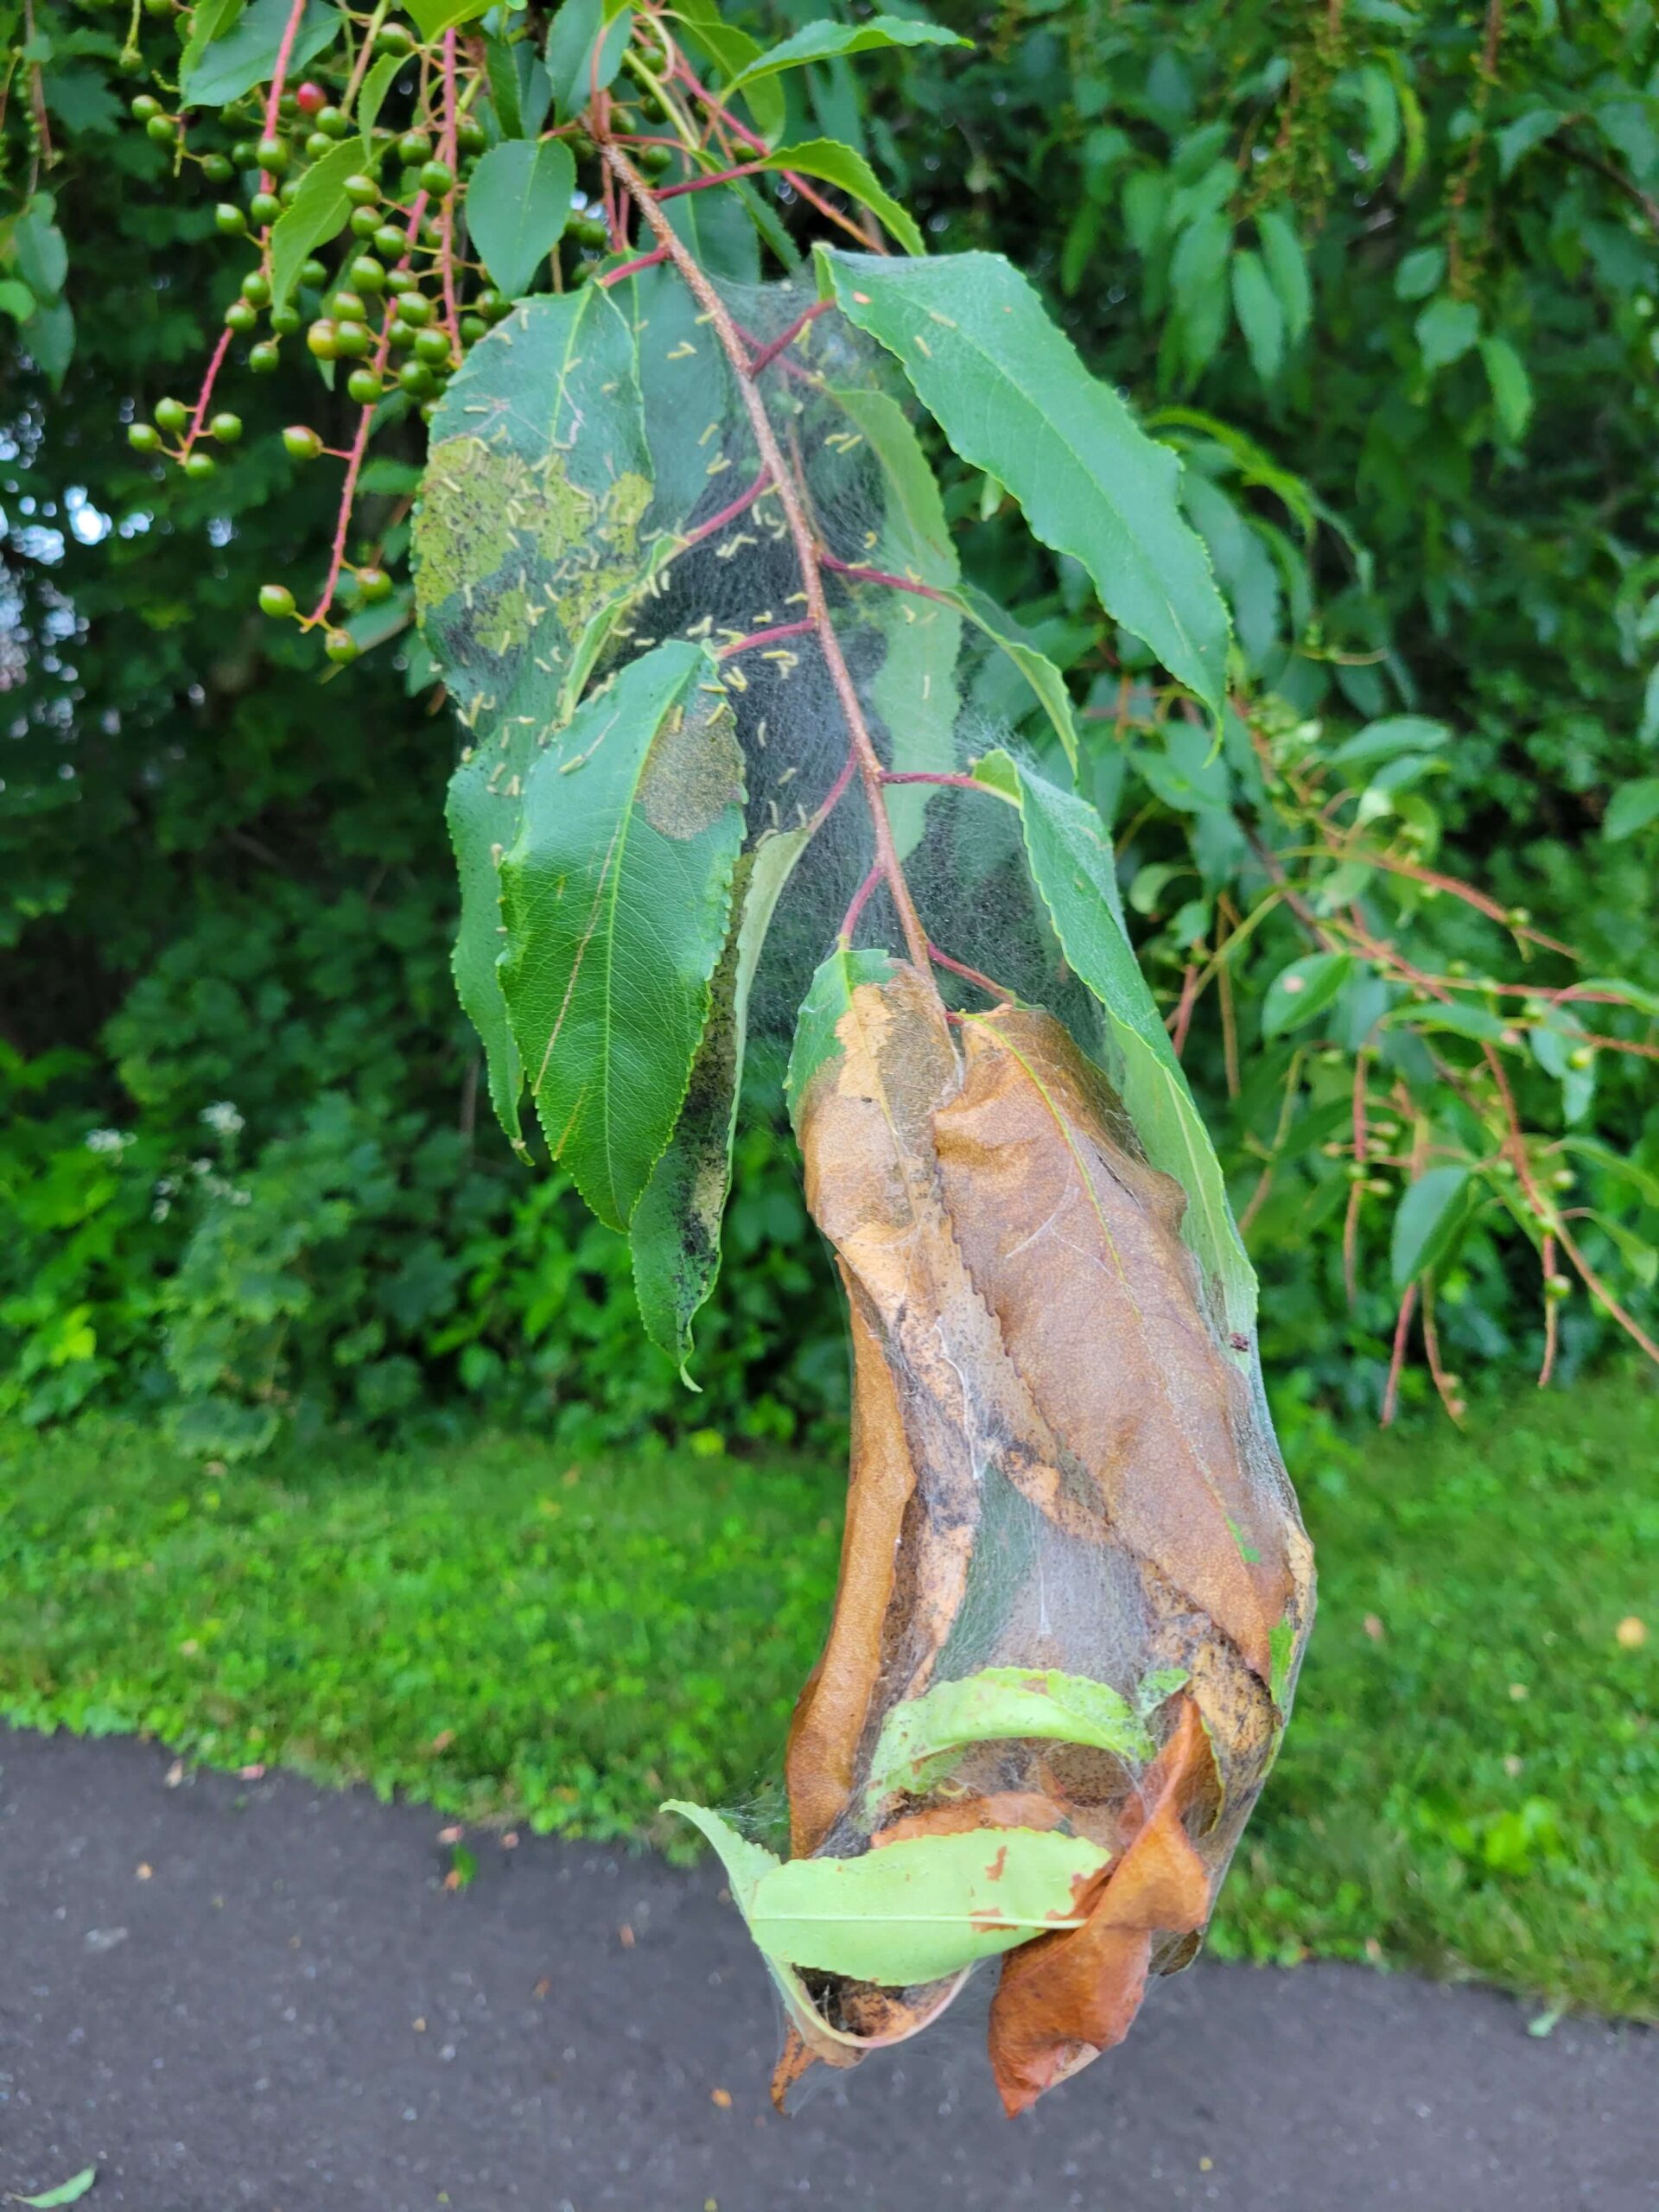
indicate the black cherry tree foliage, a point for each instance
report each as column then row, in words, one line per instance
column 752, row 772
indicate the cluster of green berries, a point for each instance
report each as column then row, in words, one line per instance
column 173, row 419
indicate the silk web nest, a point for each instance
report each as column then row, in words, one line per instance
column 1074, row 1586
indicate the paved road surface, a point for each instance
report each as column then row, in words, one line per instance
column 291, row 2014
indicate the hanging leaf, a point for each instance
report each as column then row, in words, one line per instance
column 1511, row 387
column 434, row 17
column 1260, row 316
column 918, row 1911
column 1287, row 266
column 834, row 163
column 521, row 536
column 518, row 204
column 822, row 41
column 376, row 85
column 1012, row 397
column 1303, row 988
column 675, row 1232
column 615, row 895
column 731, row 51
column 244, row 51
column 1632, row 807
column 1446, row 328
column 1426, row 1222
column 1072, row 860
column 319, row 211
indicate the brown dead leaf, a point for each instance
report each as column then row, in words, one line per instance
column 1067, row 1997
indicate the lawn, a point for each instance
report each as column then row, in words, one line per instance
column 1471, row 1785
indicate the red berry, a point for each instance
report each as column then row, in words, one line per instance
column 312, row 98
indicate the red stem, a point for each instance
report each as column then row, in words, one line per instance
column 880, row 577
column 920, row 776
column 767, row 637
column 740, row 506
column 769, row 353
column 446, row 220
column 1401, row 1329
column 215, row 363
column 702, row 183
column 861, row 899
column 1552, row 1318
column 968, row 975
column 632, row 267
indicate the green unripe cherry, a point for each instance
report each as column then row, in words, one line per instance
column 243, row 317
column 143, row 438
column 354, row 341
column 301, row 442
column 414, row 148
column 264, row 357
column 365, row 221
column 313, row 272
column 199, row 466
column 415, row 308
column 162, row 129
column 318, row 142
column 472, row 328
column 340, row 646
column 263, row 208
column 245, row 154
column 367, row 275
column 285, row 320
column 274, row 154
column 471, row 137
column 416, row 378
column 256, row 288
column 323, row 339
column 145, row 107
column 362, row 191
column 431, row 345
column 393, row 38
column 226, row 428
column 171, row 416
column 216, row 168
column 437, row 178
column 399, row 336
column 365, row 386
column 276, row 601
column 391, row 243
column 230, row 222
column 331, row 121
column 588, row 232
column 374, row 584
column 653, row 160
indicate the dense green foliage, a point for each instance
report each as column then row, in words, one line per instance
column 1469, row 1785
column 1386, row 278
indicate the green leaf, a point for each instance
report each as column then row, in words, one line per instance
column 1428, row 1219
column 208, row 19
column 48, row 338
column 828, row 998
column 1048, row 684
column 615, row 896
column 745, row 1862
column 1198, row 277
column 244, row 54
column 518, row 204
column 1418, row 273
column 434, row 17
column 1261, row 316
column 1282, row 249
column 1459, row 1017
column 1303, row 989
column 319, row 211
column 1511, row 387
column 41, row 256
column 834, row 163
column 1615, row 1164
column 916, row 1911
column 731, row 51
column 68, row 2192
column 1446, row 328
column 376, row 85
column 821, row 41
column 999, row 1702
column 17, row 299
column 675, row 1232
column 1517, row 139
column 584, row 52
column 1012, row 397
column 536, row 512
column 1382, row 741
column 1632, row 806
column 520, row 87
column 1071, row 863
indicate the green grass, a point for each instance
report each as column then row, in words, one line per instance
column 1471, row 1784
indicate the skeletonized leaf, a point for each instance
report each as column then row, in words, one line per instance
column 615, row 896
column 675, row 1233
column 918, row 1911
column 1000, row 1701
column 1072, row 860
column 1010, row 393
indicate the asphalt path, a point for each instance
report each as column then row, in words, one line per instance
column 226, row 1993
